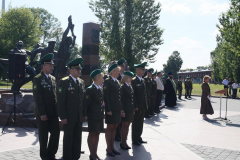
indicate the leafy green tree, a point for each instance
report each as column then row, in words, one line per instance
column 129, row 29
column 226, row 56
column 50, row 25
column 174, row 64
column 18, row 24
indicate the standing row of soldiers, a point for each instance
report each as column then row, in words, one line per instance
column 187, row 85
column 123, row 102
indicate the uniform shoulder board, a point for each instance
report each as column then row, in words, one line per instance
column 134, row 78
column 65, row 78
column 90, row 86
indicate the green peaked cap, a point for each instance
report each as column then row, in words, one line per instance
column 128, row 73
column 154, row 73
column 121, row 61
column 47, row 59
column 112, row 67
column 150, row 70
column 76, row 64
column 95, row 72
column 140, row 66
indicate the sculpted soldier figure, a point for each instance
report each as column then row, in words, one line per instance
column 29, row 69
column 64, row 50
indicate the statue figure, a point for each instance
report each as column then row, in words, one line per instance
column 64, row 51
column 43, row 51
column 29, row 69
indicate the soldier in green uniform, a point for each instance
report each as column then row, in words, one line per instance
column 187, row 86
column 190, row 87
column 179, row 87
column 154, row 92
column 127, row 107
column 44, row 93
column 140, row 104
column 71, row 112
column 148, row 84
column 93, row 104
column 122, row 66
column 113, row 107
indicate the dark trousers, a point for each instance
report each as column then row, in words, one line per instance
column 158, row 100
column 151, row 108
column 149, row 105
column 179, row 93
column 137, row 126
column 190, row 92
column 72, row 140
column 187, row 92
column 230, row 88
column 48, row 148
column 227, row 89
column 234, row 93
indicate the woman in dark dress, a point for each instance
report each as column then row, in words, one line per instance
column 127, row 107
column 93, row 103
column 113, row 107
column 206, row 106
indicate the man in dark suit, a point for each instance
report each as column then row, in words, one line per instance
column 44, row 93
column 70, row 106
column 140, row 104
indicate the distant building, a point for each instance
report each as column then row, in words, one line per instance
column 196, row 75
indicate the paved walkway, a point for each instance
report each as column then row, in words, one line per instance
column 176, row 133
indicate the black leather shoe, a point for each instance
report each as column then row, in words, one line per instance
column 118, row 139
column 147, row 116
column 123, row 147
column 157, row 111
column 116, row 152
column 137, row 143
column 142, row 141
column 110, row 154
column 152, row 114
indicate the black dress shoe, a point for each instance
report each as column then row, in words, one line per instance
column 116, row 152
column 123, row 147
column 118, row 139
column 137, row 143
column 152, row 114
column 142, row 141
column 110, row 154
column 147, row 116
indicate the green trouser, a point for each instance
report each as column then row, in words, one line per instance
column 137, row 126
column 48, row 148
column 147, row 112
column 72, row 140
column 190, row 92
column 186, row 92
column 179, row 93
column 152, row 104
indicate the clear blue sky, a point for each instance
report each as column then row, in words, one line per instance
column 189, row 25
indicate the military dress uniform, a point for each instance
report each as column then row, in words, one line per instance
column 190, row 88
column 118, row 130
column 44, row 93
column 179, row 88
column 140, row 102
column 95, row 110
column 148, row 84
column 186, row 85
column 127, row 102
column 70, row 105
column 112, row 99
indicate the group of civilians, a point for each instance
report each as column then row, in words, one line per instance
column 231, row 86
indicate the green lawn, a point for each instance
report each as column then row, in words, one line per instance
column 7, row 84
column 197, row 90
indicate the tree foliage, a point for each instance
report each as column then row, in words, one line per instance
column 18, row 24
column 50, row 25
column 129, row 29
column 174, row 64
column 226, row 56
